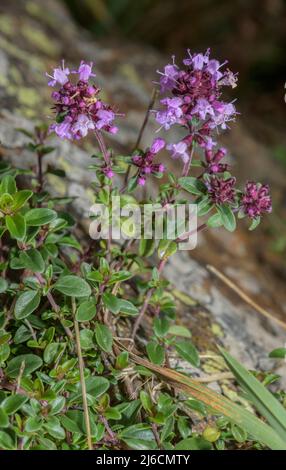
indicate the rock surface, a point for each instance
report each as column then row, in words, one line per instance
column 34, row 36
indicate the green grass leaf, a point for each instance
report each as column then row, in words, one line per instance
column 262, row 399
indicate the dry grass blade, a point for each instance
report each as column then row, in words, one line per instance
column 216, row 403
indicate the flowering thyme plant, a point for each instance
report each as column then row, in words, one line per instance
column 72, row 308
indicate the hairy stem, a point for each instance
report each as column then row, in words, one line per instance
column 82, row 379
column 191, row 232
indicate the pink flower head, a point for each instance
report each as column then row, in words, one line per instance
column 105, row 118
column 198, row 84
column 85, row 71
column 179, row 150
column 221, row 191
column 63, row 130
column 157, row 145
column 108, row 172
column 60, row 75
column 145, row 162
column 256, row 199
column 213, row 161
column 197, row 61
column 141, row 181
column 168, row 77
column 172, row 114
column 208, row 143
column 203, row 109
column 82, row 125
column 224, row 112
column 79, row 104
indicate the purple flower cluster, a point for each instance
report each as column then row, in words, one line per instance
column 221, row 191
column 78, row 108
column 145, row 163
column 196, row 91
column 256, row 199
column 194, row 102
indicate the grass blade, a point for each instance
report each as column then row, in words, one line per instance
column 262, row 399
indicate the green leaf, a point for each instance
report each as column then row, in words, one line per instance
column 193, row 443
column 146, row 247
column 227, row 217
column 261, row 398
column 32, row 260
column 112, row 413
column 27, row 303
column 184, row 427
column 122, row 360
column 146, row 401
column 16, row 226
column 3, row 285
column 127, row 307
column 38, row 217
column 6, row 203
column 95, row 276
column 4, row 420
column 71, row 424
column 161, row 326
column 156, row 352
column 166, row 248
column 51, row 352
column 197, row 406
column 54, row 428
column 95, row 387
column 254, row 223
column 4, row 352
column 8, row 185
column 116, row 305
column 215, row 221
column 20, row 199
column 179, row 330
column 138, row 437
column 86, row 339
column 6, row 441
column 192, row 185
column 73, row 286
column 111, row 302
column 57, row 405
column 238, row 433
column 13, row 403
column 86, row 311
column 33, row 424
column 279, row 353
column 31, row 363
column 204, row 206
column 22, row 335
column 120, row 276
column 187, row 351
column 103, row 337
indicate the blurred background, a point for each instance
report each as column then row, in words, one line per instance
column 128, row 40
column 250, row 33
